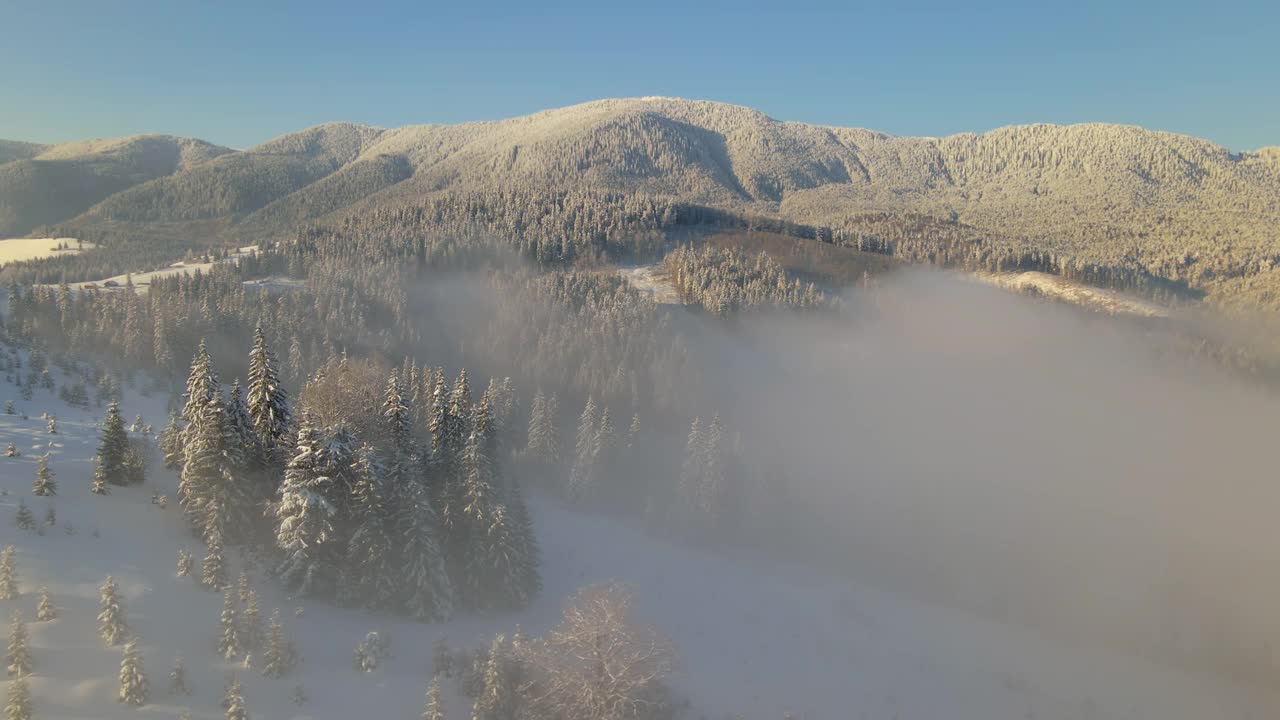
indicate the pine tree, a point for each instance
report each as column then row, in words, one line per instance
column 435, row 706
column 161, row 347
column 171, row 444
column 99, row 486
column 185, row 563
column 178, row 678
column 496, row 701
column 50, row 515
column 439, row 422
column 278, row 658
column 46, row 483
column 441, row 657
column 692, row 467
column 241, row 428
column 18, row 703
column 527, row 555
column 305, row 516
column 214, row 491
column 234, row 701
column 542, row 446
column 582, row 476
column 24, row 518
column 111, row 623
column 396, row 416
column 251, row 624
column 133, row 679
column 427, row 591
column 46, row 610
column 113, row 447
column 370, row 571
column 490, row 553
column 19, row 653
column 268, row 402
column 229, row 628
column 711, row 489
column 202, row 385
column 8, row 574
column 213, row 570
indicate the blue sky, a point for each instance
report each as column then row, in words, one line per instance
column 237, row 73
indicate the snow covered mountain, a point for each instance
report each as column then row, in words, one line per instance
column 1183, row 208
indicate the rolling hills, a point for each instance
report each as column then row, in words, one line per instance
column 1177, row 207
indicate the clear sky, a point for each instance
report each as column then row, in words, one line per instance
column 237, row 73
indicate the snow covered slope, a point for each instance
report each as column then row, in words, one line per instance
column 753, row 640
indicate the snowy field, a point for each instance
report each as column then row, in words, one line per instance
column 1061, row 289
column 142, row 281
column 19, row 249
column 653, row 280
column 758, row 641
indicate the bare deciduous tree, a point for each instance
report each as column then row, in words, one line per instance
column 598, row 664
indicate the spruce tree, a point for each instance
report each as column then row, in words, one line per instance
column 185, row 562
column 214, row 491
column 99, row 486
column 242, row 587
column 24, row 518
column 497, row 700
column 171, row 444
column 692, row 467
column 439, row 422
column 229, row 629
column 268, row 402
column 396, row 416
column 370, row 573
column 435, row 706
column 527, row 555
column 113, row 447
column 112, row 626
column 711, row 488
column 427, row 591
column 133, row 679
column 304, row 516
column 278, row 658
column 46, row 483
column 251, row 624
column 213, row 570
column 178, row 678
column 490, row 553
column 202, row 385
column 46, row 610
column 542, row 446
column 18, row 702
column 233, row 701
column 241, row 428
column 582, row 476
column 8, row 574
column 19, row 652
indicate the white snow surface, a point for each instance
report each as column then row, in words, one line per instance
column 19, row 249
column 754, row 639
column 142, row 281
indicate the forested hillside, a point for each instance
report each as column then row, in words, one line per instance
column 1113, row 204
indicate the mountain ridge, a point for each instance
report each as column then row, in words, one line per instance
column 1098, row 191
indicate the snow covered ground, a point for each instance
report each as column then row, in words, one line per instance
column 1076, row 293
column 142, row 281
column 19, row 249
column 755, row 640
column 654, row 280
